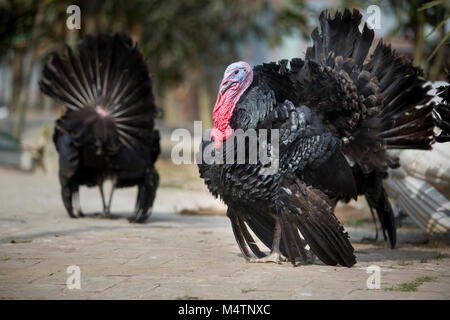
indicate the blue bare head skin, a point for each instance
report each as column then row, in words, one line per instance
column 235, row 71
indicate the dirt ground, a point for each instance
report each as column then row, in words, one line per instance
column 180, row 254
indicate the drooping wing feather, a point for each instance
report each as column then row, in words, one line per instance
column 306, row 218
column 306, row 146
column 309, row 211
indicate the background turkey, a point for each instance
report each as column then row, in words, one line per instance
column 107, row 131
column 337, row 112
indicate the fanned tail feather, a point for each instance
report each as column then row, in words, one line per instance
column 105, row 88
column 391, row 104
column 405, row 119
column 340, row 35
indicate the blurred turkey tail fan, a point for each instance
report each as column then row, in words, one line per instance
column 107, row 80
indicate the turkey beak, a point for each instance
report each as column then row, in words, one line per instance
column 225, row 87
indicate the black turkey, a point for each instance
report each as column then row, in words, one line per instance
column 107, row 131
column 337, row 112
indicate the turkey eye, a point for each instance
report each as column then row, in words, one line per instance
column 236, row 72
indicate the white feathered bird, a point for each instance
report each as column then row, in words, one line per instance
column 421, row 186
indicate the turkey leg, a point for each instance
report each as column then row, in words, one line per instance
column 100, row 186
column 113, row 187
column 275, row 255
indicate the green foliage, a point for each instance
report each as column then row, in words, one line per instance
column 413, row 17
column 202, row 36
column 196, row 36
column 17, row 24
column 16, row 21
column 177, row 37
column 444, row 8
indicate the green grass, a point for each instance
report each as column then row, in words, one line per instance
column 21, row 241
column 170, row 186
column 187, row 297
column 411, row 286
column 355, row 222
column 244, row 291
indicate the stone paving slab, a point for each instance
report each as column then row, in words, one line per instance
column 177, row 256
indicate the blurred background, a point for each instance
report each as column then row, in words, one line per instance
column 187, row 45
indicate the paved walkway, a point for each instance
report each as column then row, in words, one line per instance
column 176, row 256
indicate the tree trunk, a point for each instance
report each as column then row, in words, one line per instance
column 419, row 43
column 438, row 62
column 90, row 19
column 17, row 79
column 170, row 112
column 194, row 99
column 207, row 102
column 136, row 32
column 24, row 93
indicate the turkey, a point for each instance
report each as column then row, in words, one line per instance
column 325, row 122
column 107, row 131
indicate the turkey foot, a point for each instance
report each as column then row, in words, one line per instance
column 274, row 257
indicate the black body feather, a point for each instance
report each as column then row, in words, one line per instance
column 107, row 130
column 337, row 112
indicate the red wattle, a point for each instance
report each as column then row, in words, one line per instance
column 223, row 110
column 226, row 101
